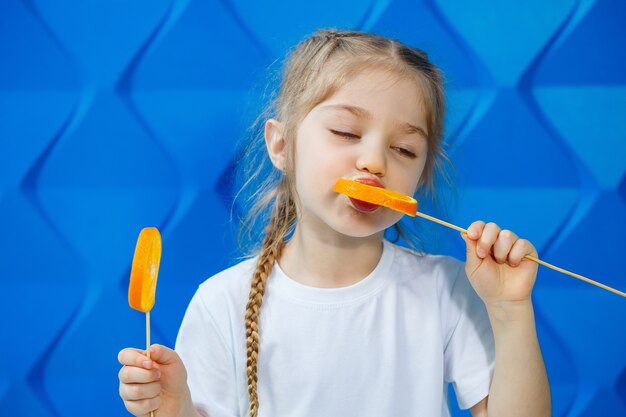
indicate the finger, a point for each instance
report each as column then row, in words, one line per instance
column 143, row 407
column 471, row 244
column 502, row 247
column 134, row 392
column 134, row 357
column 487, row 239
column 520, row 249
column 136, row 375
column 475, row 229
column 163, row 355
column 471, row 261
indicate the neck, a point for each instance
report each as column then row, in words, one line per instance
column 330, row 261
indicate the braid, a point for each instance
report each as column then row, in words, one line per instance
column 283, row 216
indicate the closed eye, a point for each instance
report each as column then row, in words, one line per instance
column 405, row 152
column 344, row 134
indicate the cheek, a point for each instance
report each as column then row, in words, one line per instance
column 310, row 170
column 423, row 176
column 408, row 183
column 419, row 176
column 321, row 159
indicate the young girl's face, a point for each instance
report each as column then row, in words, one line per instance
column 372, row 130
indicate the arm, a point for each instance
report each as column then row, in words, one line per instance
column 520, row 381
column 504, row 282
column 518, row 355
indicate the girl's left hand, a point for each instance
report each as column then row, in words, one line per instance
column 496, row 266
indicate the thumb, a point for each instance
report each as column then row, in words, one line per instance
column 471, row 259
column 163, row 355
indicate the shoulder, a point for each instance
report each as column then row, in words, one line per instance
column 217, row 308
column 227, row 289
column 231, row 278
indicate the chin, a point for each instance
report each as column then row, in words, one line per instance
column 358, row 234
column 361, row 229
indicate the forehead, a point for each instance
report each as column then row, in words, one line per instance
column 382, row 94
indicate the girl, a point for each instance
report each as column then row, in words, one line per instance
column 331, row 319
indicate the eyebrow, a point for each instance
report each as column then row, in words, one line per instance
column 361, row 113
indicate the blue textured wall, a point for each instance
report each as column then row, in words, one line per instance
column 115, row 115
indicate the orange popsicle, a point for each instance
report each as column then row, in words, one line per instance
column 376, row 195
column 145, row 270
column 143, row 276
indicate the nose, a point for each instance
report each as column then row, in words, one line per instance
column 372, row 159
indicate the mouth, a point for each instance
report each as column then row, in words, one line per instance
column 364, row 206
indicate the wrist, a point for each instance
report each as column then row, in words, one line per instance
column 510, row 311
column 187, row 408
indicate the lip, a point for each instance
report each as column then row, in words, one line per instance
column 370, row 181
column 363, row 206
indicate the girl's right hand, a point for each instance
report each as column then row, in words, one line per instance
column 156, row 383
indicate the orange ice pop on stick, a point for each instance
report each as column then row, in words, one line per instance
column 376, row 195
column 145, row 270
column 408, row 205
column 143, row 276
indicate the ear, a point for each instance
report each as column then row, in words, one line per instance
column 275, row 142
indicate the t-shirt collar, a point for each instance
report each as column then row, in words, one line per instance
column 280, row 284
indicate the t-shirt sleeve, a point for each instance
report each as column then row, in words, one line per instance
column 469, row 353
column 209, row 362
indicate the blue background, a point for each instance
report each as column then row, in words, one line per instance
column 115, row 115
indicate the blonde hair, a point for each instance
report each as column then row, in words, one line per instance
column 315, row 70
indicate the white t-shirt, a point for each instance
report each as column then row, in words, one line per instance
column 385, row 346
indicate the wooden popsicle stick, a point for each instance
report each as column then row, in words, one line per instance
column 148, row 343
column 575, row 275
column 436, row 220
column 148, row 334
column 530, row 257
